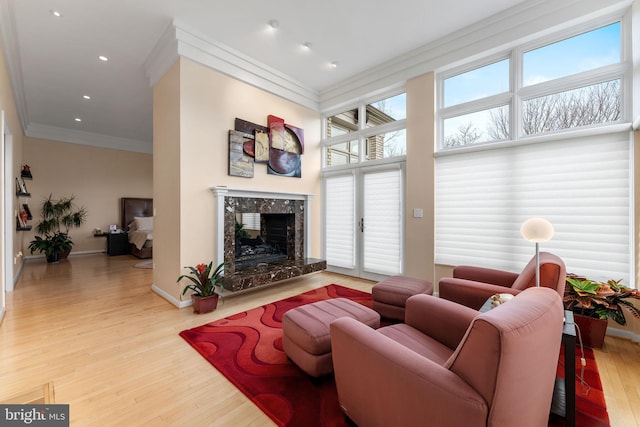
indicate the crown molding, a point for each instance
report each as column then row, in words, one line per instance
column 13, row 61
column 35, row 130
column 179, row 40
column 162, row 56
column 498, row 32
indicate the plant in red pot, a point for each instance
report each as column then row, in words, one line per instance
column 203, row 282
column 593, row 303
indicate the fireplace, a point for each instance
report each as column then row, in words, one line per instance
column 276, row 239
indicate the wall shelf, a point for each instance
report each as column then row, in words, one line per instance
column 21, row 191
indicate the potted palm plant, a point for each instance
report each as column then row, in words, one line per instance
column 204, row 282
column 57, row 218
column 593, row 303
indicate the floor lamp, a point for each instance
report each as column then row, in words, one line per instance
column 537, row 230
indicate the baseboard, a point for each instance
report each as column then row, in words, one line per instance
column 170, row 298
column 74, row 253
column 17, row 273
column 619, row 333
column 93, row 251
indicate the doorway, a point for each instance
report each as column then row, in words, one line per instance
column 364, row 221
column 6, row 226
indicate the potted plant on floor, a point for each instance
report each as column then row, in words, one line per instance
column 593, row 303
column 57, row 218
column 203, row 283
column 51, row 245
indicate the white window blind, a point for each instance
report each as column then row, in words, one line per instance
column 383, row 222
column 251, row 221
column 340, row 221
column 581, row 185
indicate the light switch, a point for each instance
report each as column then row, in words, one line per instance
column 417, row 213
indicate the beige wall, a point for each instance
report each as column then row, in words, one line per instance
column 98, row 177
column 8, row 106
column 209, row 103
column 420, row 177
column 166, row 182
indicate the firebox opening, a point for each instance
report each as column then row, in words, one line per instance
column 266, row 238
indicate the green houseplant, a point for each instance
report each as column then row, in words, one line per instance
column 241, row 233
column 51, row 246
column 203, row 281
column 57, row 218
column 593, row 303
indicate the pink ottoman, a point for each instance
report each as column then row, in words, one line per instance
column 305, row 331
column 391, row 294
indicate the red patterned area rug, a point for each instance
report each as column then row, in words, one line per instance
column 247, row 349
column 591, row 410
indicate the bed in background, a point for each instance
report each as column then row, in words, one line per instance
column 137, row 219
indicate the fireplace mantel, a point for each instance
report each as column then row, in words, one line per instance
column 229, row 200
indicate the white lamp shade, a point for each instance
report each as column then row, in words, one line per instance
column 537, row 230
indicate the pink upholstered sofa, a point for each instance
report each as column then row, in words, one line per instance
column 472, row 286
column 450, row 365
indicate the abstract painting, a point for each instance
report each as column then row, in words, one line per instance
column 240, row 163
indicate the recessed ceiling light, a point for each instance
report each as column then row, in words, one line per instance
column 103, row 58
column 273, row 24
column 333, row 64
column 86, row 97
column 55, row 13
column 306, row 46
column 78, row 119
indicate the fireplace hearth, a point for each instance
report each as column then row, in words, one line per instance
column 275, row 244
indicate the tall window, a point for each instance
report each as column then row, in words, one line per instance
column 545, row 87
column 582, row 184
column 363, row 176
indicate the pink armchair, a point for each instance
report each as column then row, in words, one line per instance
column 472, row 286
column 449, row 365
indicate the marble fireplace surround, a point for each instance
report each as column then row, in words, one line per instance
column 228, row 202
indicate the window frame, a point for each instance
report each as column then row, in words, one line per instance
column 518, row 94
column 362, row 133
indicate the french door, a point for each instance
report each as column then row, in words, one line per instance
column 364, row 221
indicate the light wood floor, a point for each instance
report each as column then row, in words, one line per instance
column 93, row 328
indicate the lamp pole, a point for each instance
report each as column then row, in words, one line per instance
column 537, row 264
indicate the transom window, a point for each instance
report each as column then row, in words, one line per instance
column 349, row 139
column 560, row 84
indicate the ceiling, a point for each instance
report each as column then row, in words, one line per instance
column 54, row 60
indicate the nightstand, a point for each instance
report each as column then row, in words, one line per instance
column 117, row 244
